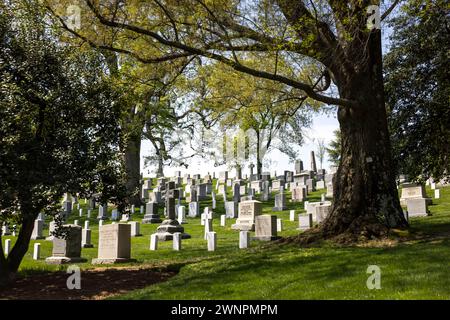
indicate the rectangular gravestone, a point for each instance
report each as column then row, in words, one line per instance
column 305, row 222
column 37, row 230
column 194, row 209
column 417, row 207
column 280, row 202
column 231, row 209
column 266, row 227
column 320, row 185
column 151, row 213
column 322, row 211
column 114, row 244
column 413, row 191
column 67, row 250
column 248, row 210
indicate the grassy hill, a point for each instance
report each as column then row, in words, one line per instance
column 416, row 268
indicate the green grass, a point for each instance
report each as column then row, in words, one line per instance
column 416, row 269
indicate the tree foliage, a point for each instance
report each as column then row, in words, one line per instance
column 418, row 89
column 334, row 149
column 58, row 127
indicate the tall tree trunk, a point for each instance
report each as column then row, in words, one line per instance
column 258, row 154
column 160, row 169
column 366, row 202
column 133, row 168
column 10, row 264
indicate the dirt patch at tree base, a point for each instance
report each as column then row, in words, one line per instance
column 96, row 284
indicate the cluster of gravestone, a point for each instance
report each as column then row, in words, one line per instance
column 245, row 205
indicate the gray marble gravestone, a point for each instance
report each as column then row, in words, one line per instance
column 277, row 184
column 102, row 212
column 248, row 210
column 305, row 221
column 37, row 230
column 193, row 195
column 67, row 250
column 114, row 244
column 236, row 192
column 266, row 228
column 194, row 209
column 413, row 191
column 201, row 192
column 417, row 207
column 151, row 213
column 321, row 211
column 231, row 209
column 265, row 192
column 298, row 166
column 298, row 194
column 311, row 185
column 320, row 185
column 280, row 202
column 171, row 225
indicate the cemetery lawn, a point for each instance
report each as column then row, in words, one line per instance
column 413, row 268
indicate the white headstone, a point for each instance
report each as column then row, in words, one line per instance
column 182, row 214
column 244, row 239
column 37, row 230
column 305, row 222
column 154, row 242
column 202, row 219
column 81, row 212
column 37, row 251
column 279, row 225
column 51, row 228
column 7, row 246
column 437, row 193
column 248, row 210
column 135, row 229
column 86, row 238
column 208, row 227
column 223, row 220
column 212, row 241
column 292, row 215
column 177, row 241
column 417, row 207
